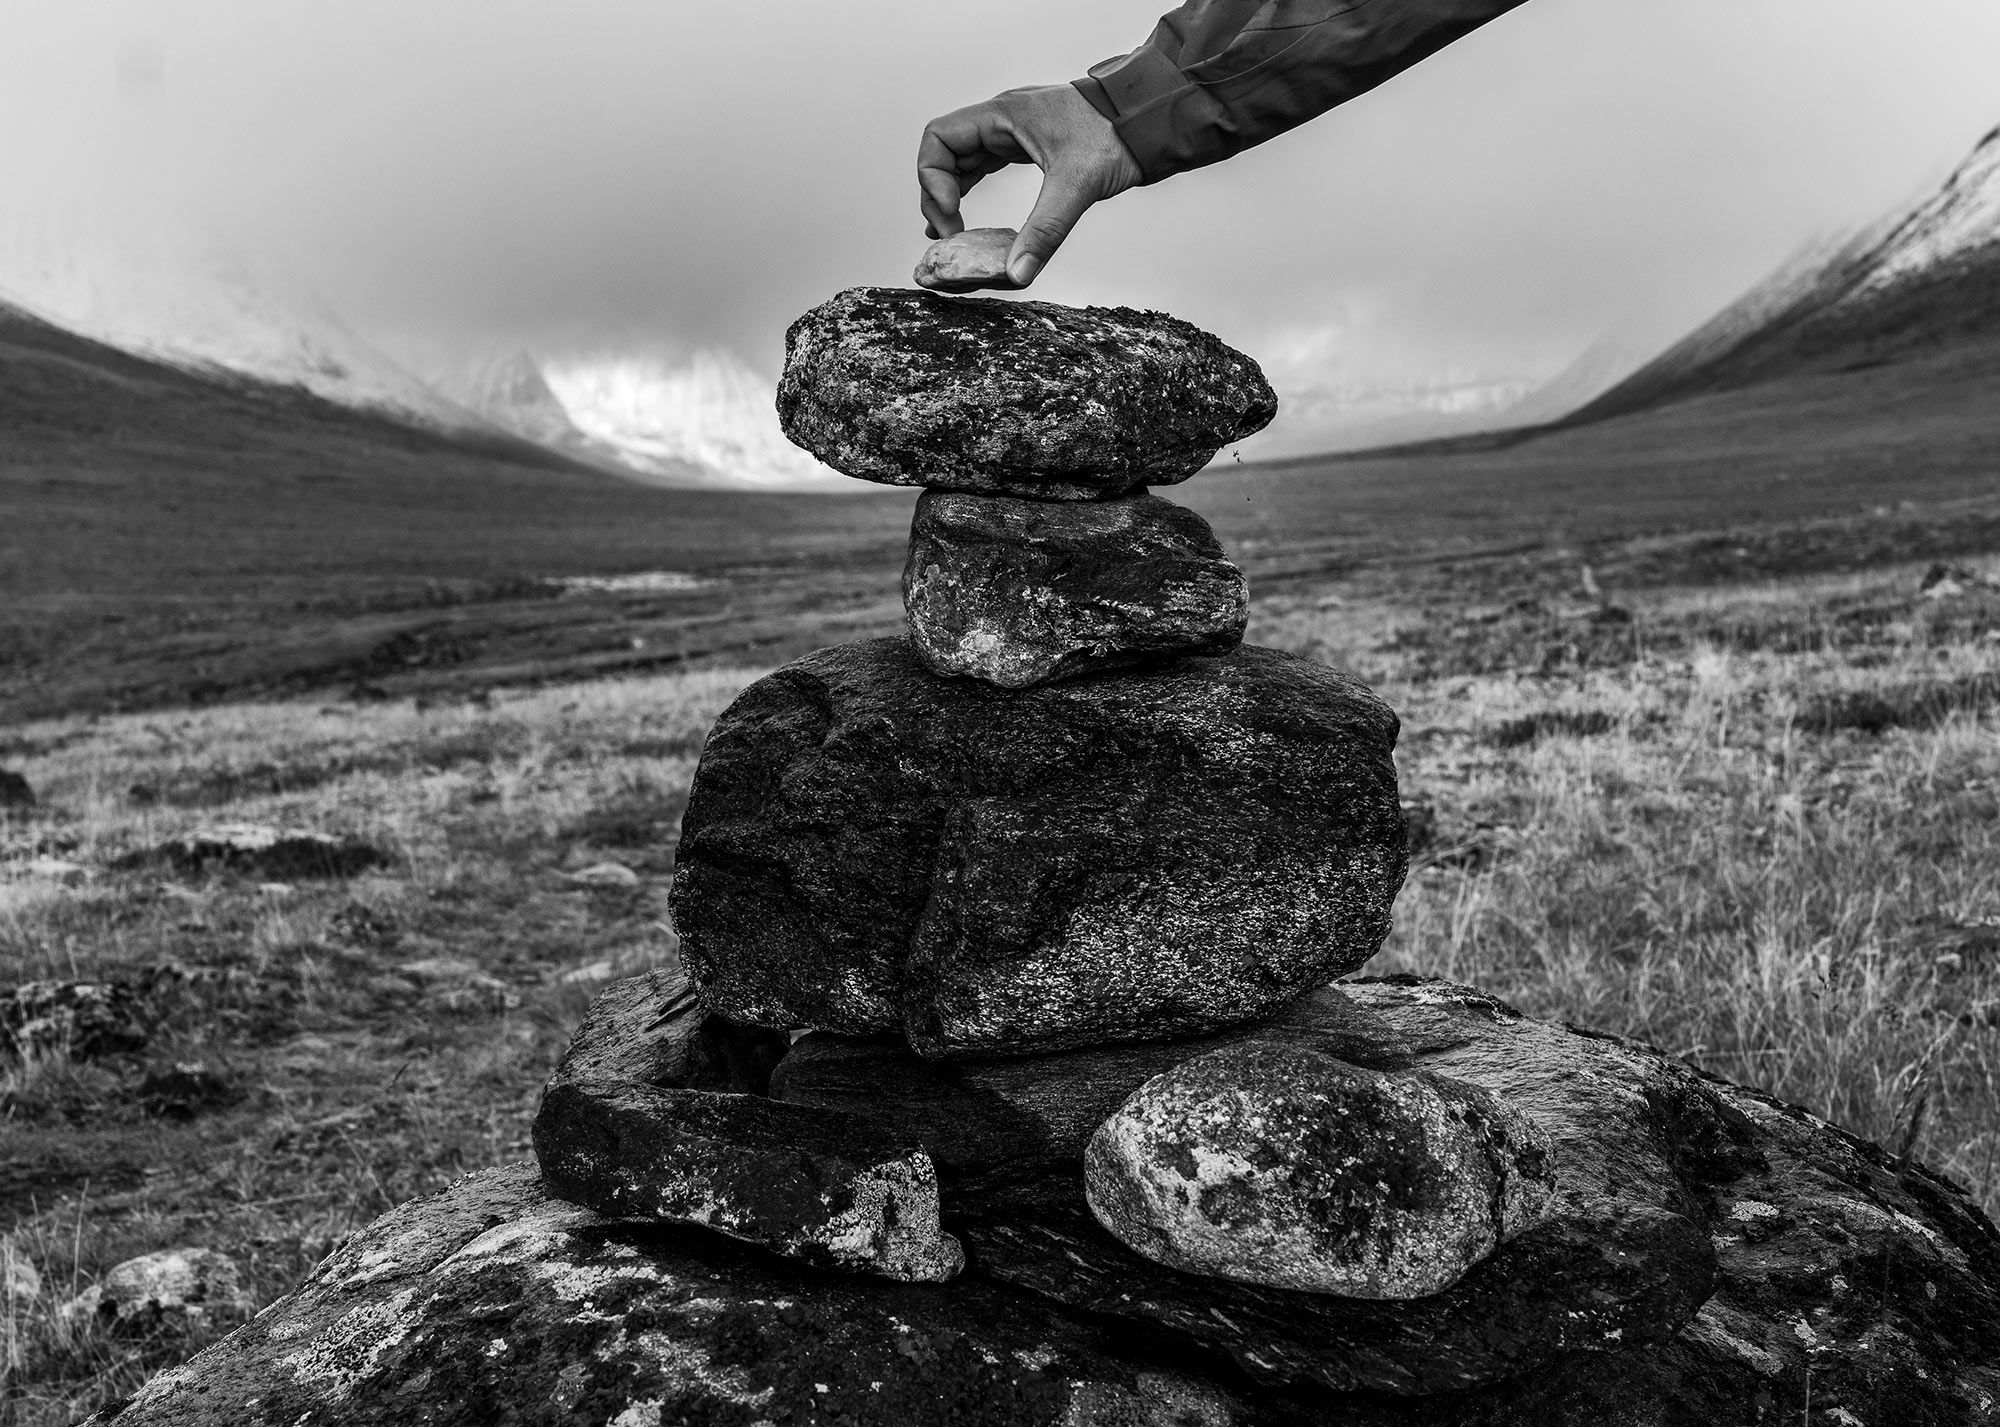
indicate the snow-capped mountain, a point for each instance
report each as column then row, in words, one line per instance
column 159, row 293
column 508, row 389
column 194, row 305
column 1923, row 279
column 1960, row 222
column 657, row 416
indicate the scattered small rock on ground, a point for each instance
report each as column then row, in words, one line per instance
column 14, row 791
column 275, row 854
column 179, row 1287
column 85, row 1019
column 186, row 1089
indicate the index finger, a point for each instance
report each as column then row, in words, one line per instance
column 938, row 186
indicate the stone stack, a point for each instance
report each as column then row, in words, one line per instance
column 1023, row 924
column 1006, row 1083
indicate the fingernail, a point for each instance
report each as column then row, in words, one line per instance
column 1024, row 269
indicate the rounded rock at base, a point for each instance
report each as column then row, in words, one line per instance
column 1276, row 1165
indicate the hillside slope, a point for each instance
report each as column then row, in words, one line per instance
column 165, row 536
column 1922, row 286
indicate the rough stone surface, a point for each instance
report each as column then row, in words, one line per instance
column 175, row 1288
column 1006, row 397
column 968, row 261
column 83, row 1019
column 1138, row 855
column 1281, row 1166
column 652, row 1030
column 1845, row 1281
column 493, row 1305
column 984, row 1121
column 1604, row 1277
column 1665, row 1179
column 811, row 1184
column 15, row 792
column 1019, row 592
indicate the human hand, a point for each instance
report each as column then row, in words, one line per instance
column 1081, row 157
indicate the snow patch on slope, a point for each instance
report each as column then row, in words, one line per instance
column 196, row 306
column 1963, row 217
column 711, row 411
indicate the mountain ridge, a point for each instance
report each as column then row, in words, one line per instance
column 1922, row 282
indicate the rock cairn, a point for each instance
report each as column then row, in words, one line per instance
column 1020, row 928
column 1006, row 1082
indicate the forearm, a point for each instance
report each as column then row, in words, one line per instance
column 1219, row 76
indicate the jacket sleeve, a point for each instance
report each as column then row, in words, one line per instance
column 1218, row 76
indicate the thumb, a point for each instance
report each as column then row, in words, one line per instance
column 1058, row 206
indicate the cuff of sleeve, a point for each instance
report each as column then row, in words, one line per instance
column 1168, row 122
column 1090, row 89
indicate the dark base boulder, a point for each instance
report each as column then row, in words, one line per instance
column 1138, row 855
column 1848, row 1286
column 1019, row 592
column 979, row 394
column 493, row 1305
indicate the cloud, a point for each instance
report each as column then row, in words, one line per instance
column 692, row 176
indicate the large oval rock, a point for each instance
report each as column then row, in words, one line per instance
column 1129, row 856
column 1274, row 1164
column 911, row 388
column 1019, row 592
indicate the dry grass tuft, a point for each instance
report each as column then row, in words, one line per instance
column 370, row 1038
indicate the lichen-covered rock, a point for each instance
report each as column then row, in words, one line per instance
column 1843, row 1280
column 174, row 1289
column 968, row 261
column 1139, row 855
column 493, row 1305
column 1004, row 397
column 1019, row 592
column 984, row 1120
column 1277, row 1165
column 81, row 1019
column 653, row 1030
column 1601, row 1278
column 810, row 1184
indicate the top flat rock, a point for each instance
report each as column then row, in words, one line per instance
column 994, row 397
column 968, row 261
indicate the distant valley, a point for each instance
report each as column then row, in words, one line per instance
column 178, row 530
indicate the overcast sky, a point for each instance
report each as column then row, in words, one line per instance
column 698, row 174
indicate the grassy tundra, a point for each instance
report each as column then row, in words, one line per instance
column 1757, row 824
